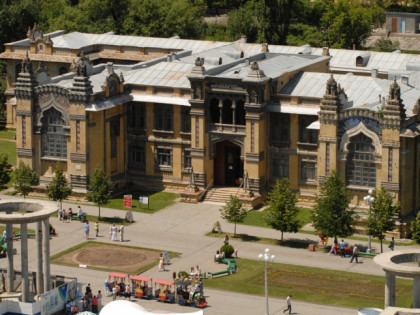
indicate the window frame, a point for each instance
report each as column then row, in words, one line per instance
column 160, row 153
column 279, row 123
column 54, row 136
column 136, row 150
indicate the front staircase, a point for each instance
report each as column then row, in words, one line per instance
column 220, row 194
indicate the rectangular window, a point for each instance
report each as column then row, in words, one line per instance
column 187, row 159
column 280, row 167
column 136, row 116
column 307, row 171
column 138, row 156
column 307, row 135
column 280, row 128
column 164, row 157
column 185, row 120
column 163, row 117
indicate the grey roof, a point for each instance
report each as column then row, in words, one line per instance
column 361, row 91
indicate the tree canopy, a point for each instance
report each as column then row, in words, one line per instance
column 415, row 228
column 383, row 214
column 233, row 212
column 23, row 179
column 332, row 216
column 282, row 211
column 5, row 169
column 58, row 189
column 99, row 189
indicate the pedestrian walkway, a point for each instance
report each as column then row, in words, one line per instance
column 182, row 228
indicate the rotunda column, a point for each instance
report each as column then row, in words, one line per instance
column 46, row 256
column 39, row 283
column 389, row 289
column 416, row 292
column 24, row 261
column 10, row 269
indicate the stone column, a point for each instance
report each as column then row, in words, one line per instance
column 220, row 111
column 46, row 260
column 389, row 289
column 24, row 261
column 416, row 292
column 10, row 269
column 234, row 112
column 39, row 283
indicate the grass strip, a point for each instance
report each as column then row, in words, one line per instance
column 17, row 230
column 93, row 243
column 157, row 201
column 7, row 134
column 315, row 285
column 9, row 148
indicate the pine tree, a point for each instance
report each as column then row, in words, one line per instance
column 99, row 189
column 282, row 211
column 5, row 169
column 332, row 216
column 233, row 212
column 58, row 189
column 383, row 214
column 23, row 179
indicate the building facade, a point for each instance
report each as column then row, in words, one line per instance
column 162, row 113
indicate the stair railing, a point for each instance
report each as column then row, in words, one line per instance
column 206, row 190
column 240, row 186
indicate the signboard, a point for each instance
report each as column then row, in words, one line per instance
column 166, row 256
column 144, row 200
column 56, row 299
column 127, row 201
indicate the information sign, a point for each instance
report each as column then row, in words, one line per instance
column 127, row 201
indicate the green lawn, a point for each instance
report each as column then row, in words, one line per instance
column 314, row 285
column 9, row 148
column 6, row 134
column 257, row 218
column 157, row 201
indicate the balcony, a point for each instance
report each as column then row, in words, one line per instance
column 227, row 128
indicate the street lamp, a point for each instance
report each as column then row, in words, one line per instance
column 369, row 198
column 266, row 257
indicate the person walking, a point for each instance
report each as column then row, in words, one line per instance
column 391, row 244
column 288, row 304
column 114, row 292
column 87, row 229
column 334, row 247
column 355, row 254
column 226, row 240
column 161, row 262
column 99, row 298
column 79, row 213
column 114, row 233
column 122, row 233
column 97, row 228
column 342, row 248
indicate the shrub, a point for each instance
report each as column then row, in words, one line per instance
column 228, row 250
column 182, row 273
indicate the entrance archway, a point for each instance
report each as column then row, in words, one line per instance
column 228, row 166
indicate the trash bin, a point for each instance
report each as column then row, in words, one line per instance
column 311, row 247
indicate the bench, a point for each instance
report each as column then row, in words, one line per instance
column 367, row 254
column 212, row 274
column 76, row 217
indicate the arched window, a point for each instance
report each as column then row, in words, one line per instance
column 361, row 168
column 214, row 111
column 240, row 112
column 53, row 138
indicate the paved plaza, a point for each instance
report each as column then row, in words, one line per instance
column 181, row 228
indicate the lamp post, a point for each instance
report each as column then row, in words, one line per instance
column 266, row 257
column 370, row 199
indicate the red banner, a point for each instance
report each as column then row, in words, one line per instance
column 127, row 201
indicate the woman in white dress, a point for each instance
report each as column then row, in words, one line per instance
column 114, row 233
column 161, row 262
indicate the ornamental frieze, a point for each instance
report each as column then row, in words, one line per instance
column 352, row 122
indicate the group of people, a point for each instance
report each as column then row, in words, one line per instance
column 66, row 215
column 116, row 289
column 87, row 229
column 113, row 230
column 90, row 302
column 195, row 273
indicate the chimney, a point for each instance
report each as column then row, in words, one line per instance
column 109, row 67
column 264, row 47
column 168, row 58
column 404, row 79
column 380, row 98
column 325, row 51
column 374, row 72
column 243, row 39
column 247, row 62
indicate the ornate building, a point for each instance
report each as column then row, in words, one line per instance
column 163, row 113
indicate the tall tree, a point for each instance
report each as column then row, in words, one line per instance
column 332, row 216
column 58, row 189
column 282, row 211
column 5, row 169
column 415, row 228
column 99, row 189
column 233, row 212
column 23, row 179
column 348, row 23
column 383, row 214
